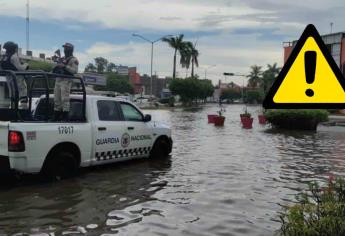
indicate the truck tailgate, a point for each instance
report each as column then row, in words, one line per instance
column 4, row 138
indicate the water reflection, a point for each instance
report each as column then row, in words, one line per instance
column 84, row 200
column 310, row 156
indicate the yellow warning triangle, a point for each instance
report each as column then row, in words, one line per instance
column 309, row 79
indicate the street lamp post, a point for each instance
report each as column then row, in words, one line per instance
column 244, row 76
column 207, row 69
column 152, row 44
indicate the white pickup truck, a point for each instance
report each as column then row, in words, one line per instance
column 100, row 130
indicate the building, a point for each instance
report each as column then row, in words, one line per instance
column 134, row 79
column 223, row 86
column 335, row 43
column 158, row 85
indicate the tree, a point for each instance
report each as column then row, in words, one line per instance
column 230, row 94
column 177, row 44
column 191, row 89
column 117, row 83
column 255, row 76
column 90, row 68
column 111, row 67
column 268, row 77
column 253, row 97
column 101, row 64
column 206, row 89
column 40, row 65
column 189, row 55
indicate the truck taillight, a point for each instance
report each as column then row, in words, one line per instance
column 15, row 142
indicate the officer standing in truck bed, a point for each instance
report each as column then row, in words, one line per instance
column 67, row 65
column 11, row 61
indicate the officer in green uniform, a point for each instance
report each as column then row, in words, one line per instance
column 11, row 61
column 67, row 65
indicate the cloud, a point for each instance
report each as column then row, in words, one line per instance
column 170, row 18
column 129, row 14
column 230, row 54
column 235, row 34
column 288, row 16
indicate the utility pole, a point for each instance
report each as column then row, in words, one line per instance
column 331, row 27
column 207, row 69
column 27, row 25
column 152, row 44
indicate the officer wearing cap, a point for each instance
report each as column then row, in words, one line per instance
column 11, row 61
column 68, row 65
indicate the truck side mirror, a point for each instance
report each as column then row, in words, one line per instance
column 147, row 118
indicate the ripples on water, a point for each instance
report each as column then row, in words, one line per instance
column 218, row 181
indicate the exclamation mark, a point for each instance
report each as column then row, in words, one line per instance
column 310, row 67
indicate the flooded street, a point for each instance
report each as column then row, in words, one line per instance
column 218, row 181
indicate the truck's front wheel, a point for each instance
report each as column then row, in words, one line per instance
column 60, row 165
column 161, row 148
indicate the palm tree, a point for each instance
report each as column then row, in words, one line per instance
column 189, row 56
column 177, row 44
column 185, row 53
column 255, row 76
column 269, row 76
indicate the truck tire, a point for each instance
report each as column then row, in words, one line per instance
column 60, row 165
column 161, row 148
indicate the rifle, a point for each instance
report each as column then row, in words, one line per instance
column 57, row 56
column 59, row 60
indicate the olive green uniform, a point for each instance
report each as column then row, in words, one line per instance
column 62, row 88
column 22, row 87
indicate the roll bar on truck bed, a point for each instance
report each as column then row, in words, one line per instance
column 13, row 113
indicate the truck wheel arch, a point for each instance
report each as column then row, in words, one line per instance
column 66, row 146
column 157, row 141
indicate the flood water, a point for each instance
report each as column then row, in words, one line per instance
column 218, row 181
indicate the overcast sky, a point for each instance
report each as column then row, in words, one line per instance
column 230, row 34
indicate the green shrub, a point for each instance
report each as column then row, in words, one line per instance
column 333, row 111
column 253, row 97
column 41, row 65
column 230, row 94
column 296, row 119
column 320, row 211
column 191, row 89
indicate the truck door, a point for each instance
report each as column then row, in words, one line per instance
column 139, row 133
column 108, row 131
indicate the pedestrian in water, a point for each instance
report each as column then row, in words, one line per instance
column 11, row 61
column 67, row 65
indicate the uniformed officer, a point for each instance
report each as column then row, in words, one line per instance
column 67, row 65
column 11, row 61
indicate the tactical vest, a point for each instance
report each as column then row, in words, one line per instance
column 62, row 71
column 6, row 64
